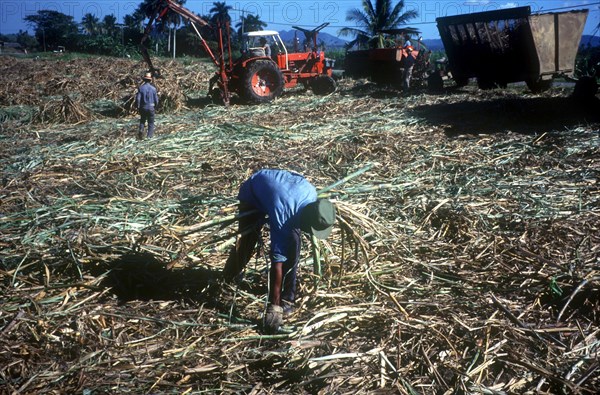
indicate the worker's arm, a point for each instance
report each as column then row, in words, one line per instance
column 276, row 280
column 274, row 314
column 138, row 98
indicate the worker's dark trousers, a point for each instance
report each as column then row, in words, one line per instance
column 146, row 115
column 249, row 232
column 290, row 266
column 406, row 78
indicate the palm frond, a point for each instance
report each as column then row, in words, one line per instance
column 376, row 16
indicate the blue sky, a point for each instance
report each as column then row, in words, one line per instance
column 281, row 15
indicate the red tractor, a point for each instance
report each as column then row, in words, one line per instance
column 256, row 77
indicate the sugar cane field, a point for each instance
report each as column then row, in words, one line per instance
column 464, row 260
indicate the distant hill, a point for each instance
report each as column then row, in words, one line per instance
column 332, row 41
column 434, row 44
column 594, row 41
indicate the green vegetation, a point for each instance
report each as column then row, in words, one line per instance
column 587, row 62
column 337, row 54
column 374, row 18
column 55, row 31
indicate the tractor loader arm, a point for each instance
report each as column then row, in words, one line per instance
column 311, row 35
column 162, row 7
column 221, row 78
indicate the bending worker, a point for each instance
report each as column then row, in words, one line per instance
column 291, row 203
column 146, row 101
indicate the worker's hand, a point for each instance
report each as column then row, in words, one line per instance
column 273, row 318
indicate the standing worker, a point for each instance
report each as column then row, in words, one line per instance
column 407, row 42
column 409, row 63
column 291, row 203
column 146, row 101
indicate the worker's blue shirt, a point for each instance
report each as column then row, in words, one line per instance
column 146, row 98
column 281, row 195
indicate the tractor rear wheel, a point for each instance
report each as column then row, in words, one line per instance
column 262, row 82
column 322, row 85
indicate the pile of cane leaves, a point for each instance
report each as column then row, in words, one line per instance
column 49, row 91
column 465, row 258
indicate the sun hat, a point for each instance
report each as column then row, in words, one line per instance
column 319, row 217
column 147, row 76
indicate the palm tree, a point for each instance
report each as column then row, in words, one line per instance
column 147, row 7
column 109, row 25
column 90, row 24
column 375, row 17
column 173, row 20
column 170, row 20
column 250, row 23
column 220, row 17
column 220, row 12
column 134, row 22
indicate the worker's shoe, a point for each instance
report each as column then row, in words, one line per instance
column 273, row 318
column 288, row 307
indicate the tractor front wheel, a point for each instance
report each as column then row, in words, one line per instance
column 322, row 85
column 262, row 82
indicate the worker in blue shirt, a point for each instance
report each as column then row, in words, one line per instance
column 292, row 206
column 146, row 101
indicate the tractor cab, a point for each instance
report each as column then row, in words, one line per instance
column 254, row 44
column 308, row 62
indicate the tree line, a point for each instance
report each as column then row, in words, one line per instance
column 54, row 30
column 174, row 36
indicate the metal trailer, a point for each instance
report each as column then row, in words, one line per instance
column 512, row 45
